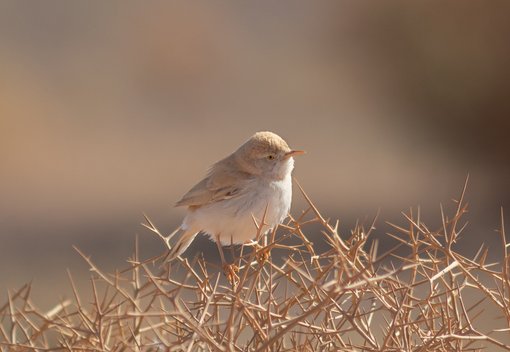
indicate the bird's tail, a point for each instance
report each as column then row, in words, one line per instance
column 182, row 244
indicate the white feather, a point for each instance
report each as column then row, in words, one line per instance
column 232, row 219
column 253, row 183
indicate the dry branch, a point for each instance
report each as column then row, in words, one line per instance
column 421, row 295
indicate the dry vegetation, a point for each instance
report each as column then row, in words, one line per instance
column 421, row 295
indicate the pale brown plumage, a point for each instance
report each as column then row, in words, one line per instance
column 224, row 178
column 237, row 189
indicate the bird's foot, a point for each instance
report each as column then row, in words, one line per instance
column 262, row 254
column 230, row 271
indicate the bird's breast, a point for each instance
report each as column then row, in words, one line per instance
column 232, row 219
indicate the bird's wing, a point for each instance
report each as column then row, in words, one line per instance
column 219, row 185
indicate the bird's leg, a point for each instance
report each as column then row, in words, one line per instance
column 230, row 270
column 220, row 249
column 262, row 253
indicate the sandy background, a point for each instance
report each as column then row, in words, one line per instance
column 108, row 110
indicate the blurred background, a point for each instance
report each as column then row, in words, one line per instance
column 111, row 109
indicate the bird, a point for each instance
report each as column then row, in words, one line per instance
column 252, row 183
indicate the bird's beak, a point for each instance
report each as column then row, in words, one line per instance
column 293, row 153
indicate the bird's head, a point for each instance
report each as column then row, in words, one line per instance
column 267, row 155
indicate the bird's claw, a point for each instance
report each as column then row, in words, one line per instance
column 230, row 271
column 263, row 254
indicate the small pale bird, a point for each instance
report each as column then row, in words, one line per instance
column 237, row 190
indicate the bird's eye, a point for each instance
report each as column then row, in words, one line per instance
column 270, row 157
